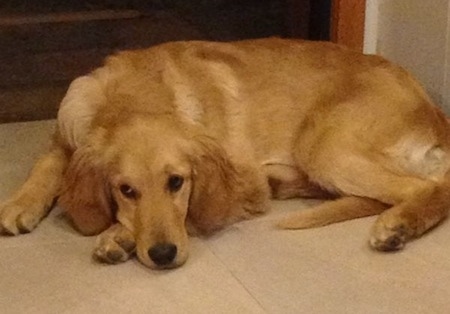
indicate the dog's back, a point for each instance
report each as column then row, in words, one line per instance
column 261, row 93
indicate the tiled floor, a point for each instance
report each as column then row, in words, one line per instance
column 248, row 268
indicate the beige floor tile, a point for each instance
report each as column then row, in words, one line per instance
column 20, row 145
column 61, row 278
column 333, row 270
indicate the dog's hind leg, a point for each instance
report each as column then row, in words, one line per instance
column 329, row 212
column 418, row 204
column 32, row 201
column 422, row 204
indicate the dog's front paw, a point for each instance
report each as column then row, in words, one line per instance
column 389, row 234
column 115, row 245
column 16, row 218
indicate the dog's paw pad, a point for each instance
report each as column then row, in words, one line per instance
column 8, row 219
column 389, row 239
column 111, row 255
column 16, row 219
column 6, row 232
column 28, row 221
column 115, row 245
column 392, row 243
column 128, row 245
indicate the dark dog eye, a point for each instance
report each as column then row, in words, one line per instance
column 127, row 191
column 175, row 183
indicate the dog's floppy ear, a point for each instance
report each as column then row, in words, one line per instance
column 85, row 195
column 214, row 182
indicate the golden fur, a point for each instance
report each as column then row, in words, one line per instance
column 192, row 136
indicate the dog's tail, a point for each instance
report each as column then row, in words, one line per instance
column 345, row 208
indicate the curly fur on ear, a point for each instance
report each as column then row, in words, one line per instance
column 223, row 191
column 85, row 194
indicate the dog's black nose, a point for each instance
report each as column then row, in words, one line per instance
column 162, row 253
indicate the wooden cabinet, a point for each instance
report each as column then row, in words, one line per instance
column 41, row 53
column 45, row 44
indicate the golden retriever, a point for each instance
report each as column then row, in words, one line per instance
column 187, row 137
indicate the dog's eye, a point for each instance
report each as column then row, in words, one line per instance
column 175, row 183
column 127, row 191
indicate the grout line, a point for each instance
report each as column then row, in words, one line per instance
column 236, row 278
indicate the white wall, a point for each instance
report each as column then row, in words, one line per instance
column 416, row 35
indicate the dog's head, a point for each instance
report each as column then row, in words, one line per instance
column 154, row 177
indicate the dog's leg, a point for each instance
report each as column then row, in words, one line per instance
column 329, row 212
column 423, row 205
column 32, row 201
column 417, row 204
column 114, row 245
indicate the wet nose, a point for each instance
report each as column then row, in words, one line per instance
column 163, row 253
